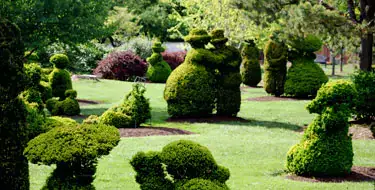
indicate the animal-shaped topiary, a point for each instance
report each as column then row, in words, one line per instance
column 14, row 169
column 229, row 78
column 176, row 167
column 326, row 148
column 305, row 77
column 60, row 78
column 275, row 59
column 250, row 70
column 69, row 106
column 159, row 70
column 190, row 89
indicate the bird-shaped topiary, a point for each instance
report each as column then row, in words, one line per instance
column 326, row 147
column 60, row 78
column 159, row 70
column 250, row 69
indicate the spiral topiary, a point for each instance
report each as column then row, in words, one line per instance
column 159, row 70
column 176, row 165
column 14, row 169
column 228, row 101
column 190, row 89
column 250, row 70
column 305, row 77
column 275, row 59
column 326, row 148
column 76, row 160
column 60, row 78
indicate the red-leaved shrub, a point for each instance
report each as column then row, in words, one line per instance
column 174, row 59
column 121, row 65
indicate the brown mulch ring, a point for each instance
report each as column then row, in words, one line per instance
column 152, row 131
column 358, row 174
column 210, row 119
column 358, row 132
column 87, row 102
column 273, row 98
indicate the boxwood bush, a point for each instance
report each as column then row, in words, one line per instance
column 60, row 78
column 250, row 70
column 365, row 85
column 158, row 70
column 69, row 106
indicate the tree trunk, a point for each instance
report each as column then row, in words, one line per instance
column 342, row 59
column 333, row 62
column 366, row 52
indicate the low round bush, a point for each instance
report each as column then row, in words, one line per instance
column 158, row 70
column 57, row 121
column 304, row 78
column 116, row 119
column 70, row 107
column 60, row 61
column 92, row 119
column 250, row 70
column 123, row 65
column 201, row 184
column 60, row 82
column 365, row 85
column 71, row 94
column 50, row 104
column 174, row 59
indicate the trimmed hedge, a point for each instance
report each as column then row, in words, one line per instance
column 275, row 59
column 201, row 184
column 176, row 164
column 69, row 106
column 190, row 89
column 326, row 148
column 365, row 85
column 158, row 70
column 74, row 150
column 250, row 70
column 116, row 119
column 60, row 82
column 60, row 61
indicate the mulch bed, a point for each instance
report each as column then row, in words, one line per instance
column 358, row 174
column 152, row 131
column 210, row 119
column 273, row 98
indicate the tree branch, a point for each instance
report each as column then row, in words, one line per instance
column 352, row 15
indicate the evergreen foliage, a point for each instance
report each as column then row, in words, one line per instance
column 69, row 106
column 60, row 78
column 176, row 167
column 365, row 85
column 190, row 89
column 326, row 148
column 228, row 78
column 250, row 70
column 158, row 70
column 275, row 59
column 14, row 169
column 75, row 151
column 202, row 184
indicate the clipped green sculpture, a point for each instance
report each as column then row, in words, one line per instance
column 250, row 70
column 275, row 60
column 14, row 169
column 158, row 70
column 229, row 78
column 190, row 89
column 326, row 147
column 305, row 77
column 60, row 78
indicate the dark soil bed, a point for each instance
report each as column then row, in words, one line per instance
column 273, row 98
column 152, row 131
column 210, row 119
column 358, row 174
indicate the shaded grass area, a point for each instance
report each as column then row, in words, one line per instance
column 254, row 151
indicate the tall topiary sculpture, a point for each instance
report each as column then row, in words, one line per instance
column 228, row 101
column 275, row 59
column 326, row 148
column 14, row 169
column 190, row 89
column 305, row 77
column 250, row 70
column 60, row 78
column 159, row 70
column 180, row 165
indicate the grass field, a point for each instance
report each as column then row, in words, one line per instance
column 255, row 152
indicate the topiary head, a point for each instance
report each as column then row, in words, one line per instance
column 61, row 61
column 306, row 45
column 217, row 38
column 157, row 47
column 71, row 94
column 198, row 38
column 250, row 50
column 339, row 94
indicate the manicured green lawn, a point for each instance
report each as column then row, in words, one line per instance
column 255, row 152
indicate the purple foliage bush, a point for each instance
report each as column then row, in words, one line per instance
column 174, row 59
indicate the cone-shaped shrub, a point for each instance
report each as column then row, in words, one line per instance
column 14, row 169
column 159, row 70
column 190, row 89
column 250, row 70
column 326, row 147
column 176, row 165
column 60, row 78
column 275, row 59
column 304, row 77
column 75, row 151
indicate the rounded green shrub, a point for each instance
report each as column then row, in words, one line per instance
column 275, row 59
column 201, row 184
column 60, row 82
column 190, row 89
column 50, row 104
column 92, row 119
column 250, row 70
column 60, row 61
column 365, row 85
column 71, row 94
column 116, row 119
column 45, row 90
column 70, row 107
column 159, row 70
column 326, row 148
column 304, row 78
column 57, row 121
